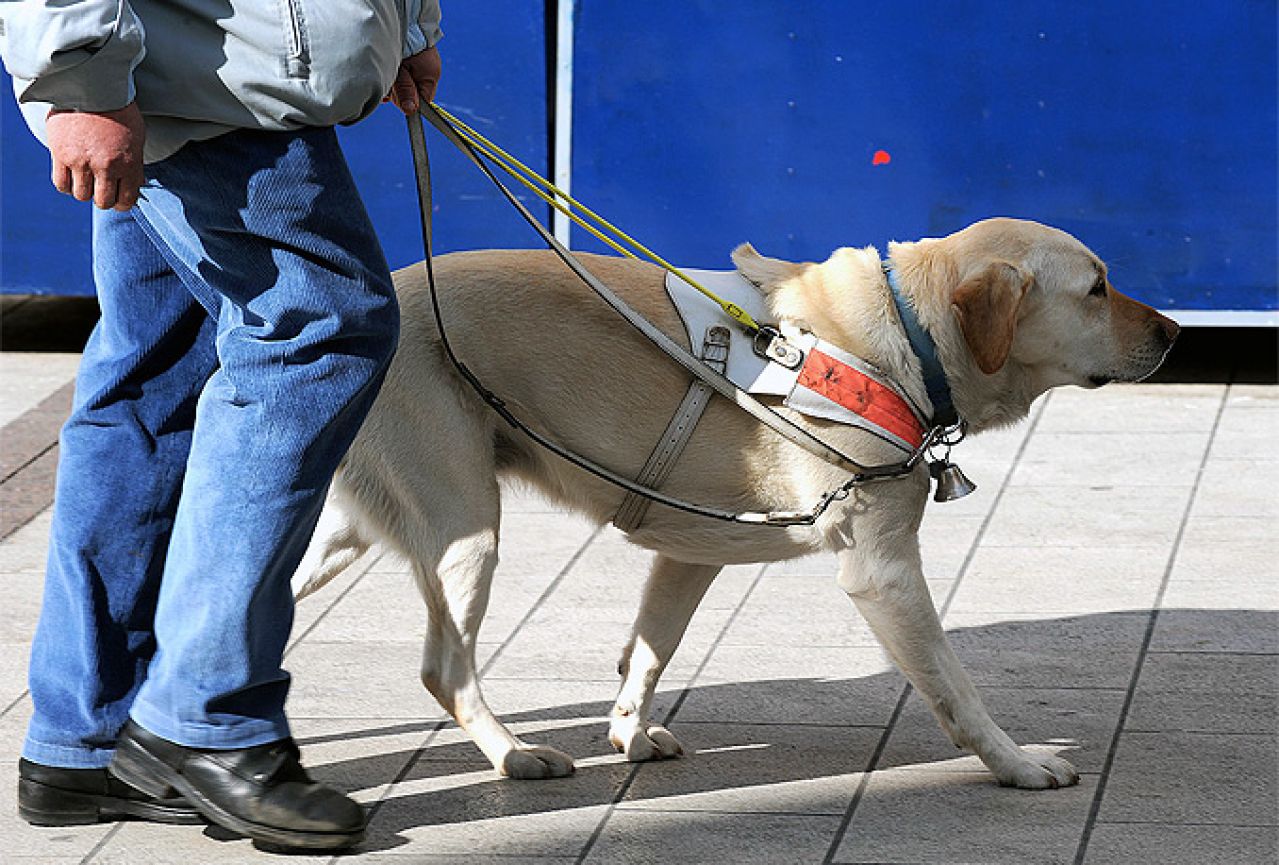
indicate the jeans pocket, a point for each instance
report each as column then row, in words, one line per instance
column 296, row 44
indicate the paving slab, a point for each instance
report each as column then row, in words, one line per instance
column 1180, row 777
column 1087, row 516
column 910, row 815
column 1173, row 844
column 773, row 768
column 663, row 837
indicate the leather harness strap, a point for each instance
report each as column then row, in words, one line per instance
column 673, row 441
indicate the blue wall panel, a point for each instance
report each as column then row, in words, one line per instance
column 1146, row 128
column 494, row 77
column 44, row 236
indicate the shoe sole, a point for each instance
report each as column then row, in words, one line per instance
column 43, row 805
column 136, row 766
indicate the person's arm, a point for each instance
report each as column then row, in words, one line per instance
column 424, row 26
column 76, row 55
column 420, row 69
column 79, row 56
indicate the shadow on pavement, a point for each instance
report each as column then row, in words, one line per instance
column 1057, row 683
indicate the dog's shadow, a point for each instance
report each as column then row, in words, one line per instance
column 797, row 745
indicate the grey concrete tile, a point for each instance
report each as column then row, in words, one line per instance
column 1171, row 844
column 1178, row 777
column 775, row 768
column 13, row 671
column 1200, row 692
column 155, row 844
column 799, row 611
column 1027, row 651
column 945, row 540
column 636, row 837
column 1247, row 568
column 1216, row 630
column 585, row 739
column 359, row 680
column 1134, row 460
column 1132, row 408
column 1092, row 579
column 923, row 815
column 1074, row 723
column 1247, row 430
column 1204, row 530
column 378, row 608
column 786, row 684
column 393, row 858
column 26, row 550
column 567, row 700
column 359, row 756
column 732, row 584
column 1207, row 693
column 317, row 607
column 20, row 599
column 1105, row 514
column 13, row 729
column 540, row 543
column 586, row 649
column 1239, row 486
column 29, row 377
column 447, row 810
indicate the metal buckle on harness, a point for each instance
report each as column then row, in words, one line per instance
column 769, row 344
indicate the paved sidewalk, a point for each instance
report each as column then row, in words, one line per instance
column 1111, row 587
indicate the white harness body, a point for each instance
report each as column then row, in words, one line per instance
column 756, row 374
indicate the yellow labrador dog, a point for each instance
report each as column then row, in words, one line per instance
column 1014, row 307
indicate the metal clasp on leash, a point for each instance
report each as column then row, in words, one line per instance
column 769, row 344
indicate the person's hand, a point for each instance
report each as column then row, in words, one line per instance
column 415, row 83
column 98, row 156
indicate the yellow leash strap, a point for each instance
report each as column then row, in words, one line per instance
column 566, row 204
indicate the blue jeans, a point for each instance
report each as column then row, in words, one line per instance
column 247, row 322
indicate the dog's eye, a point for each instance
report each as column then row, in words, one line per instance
column 1098, row 290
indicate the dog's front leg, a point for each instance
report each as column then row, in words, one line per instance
column 671, row 596
column 889, row 589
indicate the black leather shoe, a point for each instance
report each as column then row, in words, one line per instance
column 51, row 796
column 260, row 792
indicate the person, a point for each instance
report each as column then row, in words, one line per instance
column 247, row 321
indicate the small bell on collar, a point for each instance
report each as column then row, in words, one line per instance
column 951, row 482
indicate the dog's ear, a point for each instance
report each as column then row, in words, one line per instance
column 986, row 304
column 761, row 270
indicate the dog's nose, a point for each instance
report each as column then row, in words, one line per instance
column 1169, row 327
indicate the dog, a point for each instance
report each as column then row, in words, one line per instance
column 1014, row 307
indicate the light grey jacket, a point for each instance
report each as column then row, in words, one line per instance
column 198, row 68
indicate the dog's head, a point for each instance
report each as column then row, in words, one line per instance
column 1015, row 307
column 1028, row 295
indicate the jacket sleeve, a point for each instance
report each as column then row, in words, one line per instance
column 72, row 54
column 423, row 26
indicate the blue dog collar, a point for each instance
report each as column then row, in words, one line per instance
column 925, row 349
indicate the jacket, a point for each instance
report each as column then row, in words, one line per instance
column 198, row 68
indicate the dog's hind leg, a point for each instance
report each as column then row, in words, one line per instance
column 671, row 596
column 455, row 585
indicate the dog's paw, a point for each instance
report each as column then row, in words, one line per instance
column 535, row 762
column 1039, row 772
column 652, row 743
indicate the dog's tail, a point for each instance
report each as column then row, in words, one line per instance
column 335, row 546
